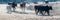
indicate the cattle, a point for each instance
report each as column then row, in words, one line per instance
column 14, row 5
column 42, row 8
column 9, row 8
column 22, row 5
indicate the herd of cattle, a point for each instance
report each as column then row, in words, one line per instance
column 38, row 9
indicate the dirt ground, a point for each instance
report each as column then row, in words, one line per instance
column 28, row 15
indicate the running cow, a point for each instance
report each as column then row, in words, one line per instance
column 14, row 5
column 22, row 5
column 41, row 9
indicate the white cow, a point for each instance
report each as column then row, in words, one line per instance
column 9, row 9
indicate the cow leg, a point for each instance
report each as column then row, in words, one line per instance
column 14, row 9
column 23, row 9
column 41, row 13
column 48, row 13
column 36, row 11
column 9, row 10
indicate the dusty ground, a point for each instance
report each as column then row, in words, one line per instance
column 28, row 15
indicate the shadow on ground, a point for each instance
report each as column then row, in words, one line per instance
column 21, row 12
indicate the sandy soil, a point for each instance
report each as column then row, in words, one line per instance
column 28, row 15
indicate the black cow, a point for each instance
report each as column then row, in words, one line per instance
column 43, row 8
column 14, row 4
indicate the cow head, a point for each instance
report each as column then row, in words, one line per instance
column 50, row 7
